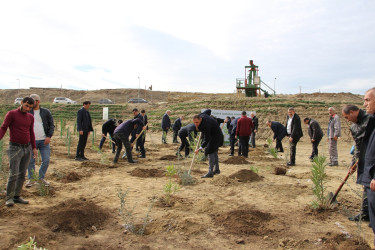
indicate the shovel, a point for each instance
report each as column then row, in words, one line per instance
column 196, row 147
column 332, row 197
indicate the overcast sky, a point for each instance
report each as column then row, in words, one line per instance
column 199, row 46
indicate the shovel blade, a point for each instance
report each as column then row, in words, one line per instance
column 331, row 199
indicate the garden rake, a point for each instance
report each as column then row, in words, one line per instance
column 196, row 147
column 332, row 197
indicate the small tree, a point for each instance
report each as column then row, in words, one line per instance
column 170, row 187
column 319, row 179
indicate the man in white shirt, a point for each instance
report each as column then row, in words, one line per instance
column 43, row 129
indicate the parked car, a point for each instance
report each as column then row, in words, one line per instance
column 137, row 100
column 106, row 101
column 18, row 100
column 63, row 100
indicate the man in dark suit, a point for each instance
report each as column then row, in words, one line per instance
column 84, row 127
column 279, row 132
column 315, row 134
column 136, row 132
column 165, row 126
column 294, row 131
column 255, row 128
column 176, row 127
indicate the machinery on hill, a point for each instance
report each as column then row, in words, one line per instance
column 252, row 85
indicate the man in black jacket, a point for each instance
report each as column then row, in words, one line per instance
column 185, row 132
column 279, row 132
column 212, row 139
column 84, row 127
column 315, row 134
column 255, row 128
column 368, row 145
column 43, row 130
column 294, row 131
column 233, row 139
column 176, row 127
column 136, row 132
column 359, row 120
column 165, row 126
column 121, row 136
column 107, row 128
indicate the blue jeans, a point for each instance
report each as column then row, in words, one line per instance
column 19, row 158
column 44, row 150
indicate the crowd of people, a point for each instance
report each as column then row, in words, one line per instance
column 31, row 128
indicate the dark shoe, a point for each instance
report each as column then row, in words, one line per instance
column 20, row 200
column 132, row 161
column 85, row 159
column 291, row 164
column 141, row 156
column 113, row 152
column 231, row 155
column 208, row 175
column 216, row 172
column 9, row 203
column 137, row 150
column 363, row 217
column 331, row 164
column 79, row 159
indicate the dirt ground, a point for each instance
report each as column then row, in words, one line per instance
column 238, row 209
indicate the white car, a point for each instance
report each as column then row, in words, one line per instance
column 63, row 100
column 18, row 100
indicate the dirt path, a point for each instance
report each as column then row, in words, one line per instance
column 235, row 210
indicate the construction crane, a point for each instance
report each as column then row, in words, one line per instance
column 251, row 84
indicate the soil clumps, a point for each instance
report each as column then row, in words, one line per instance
column 223, row 181
column 280, row 171
column 236, row 160
column 71, row 177
column 147, row 173
column 245, row 175
column 168, row 157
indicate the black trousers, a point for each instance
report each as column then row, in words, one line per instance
column 232, row 142
column 122, row 139
column 184, row 145
column 371, row 206
column 293, row 149
column 279, row 145
column 175, row 133
column 82, row 141
column 253, row 139
column 141, row 144
column 244, row 141
column 315, row 145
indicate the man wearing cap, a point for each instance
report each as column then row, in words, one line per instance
column 21, row 147
column 43, row 129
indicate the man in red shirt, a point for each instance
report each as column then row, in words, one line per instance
column 21, row 145
column 244, row 129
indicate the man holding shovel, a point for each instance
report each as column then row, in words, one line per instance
column 212, row 139
column 185, row 132
column 359, row 120
column 279, row 132
column 121, row 136
column 136, row 132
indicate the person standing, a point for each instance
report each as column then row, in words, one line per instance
column 185, row 132
column 243, row 130
column 136, row 132
column 212, row 139
column 121, row 136
column 255, row 128
column 84, row 127
column 145, row 122
column 315, row 134
column 294, row 131
column 43, row 130
column 176, row 127
column 333, row 133
column 165, row 125
column 21, row 146
column 359, row 120
column 279, row 132
column 368, row 155
column 232, row 138
column 107, row 128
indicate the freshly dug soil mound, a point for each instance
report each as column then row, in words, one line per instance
column 147, row 173
column 168, row 157
column 223, row 181
column 280, row 171
column 93, row 164
column 76, row 216
column 245, row 175
column 237, row 160
column 71, row 177
column 244, row 222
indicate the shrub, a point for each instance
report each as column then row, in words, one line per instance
column 319, row 179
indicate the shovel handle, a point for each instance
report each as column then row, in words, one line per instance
column 196, row 147
column 343, row 182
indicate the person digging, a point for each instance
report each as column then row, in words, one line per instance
column 121, row 136
column 213, row 138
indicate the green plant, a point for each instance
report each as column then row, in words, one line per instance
column 273, row 151
column 43, row 190
column 30, row 245
column 185, row 178
column 104, row 158
column 254, row 169
column 319, row 179
column 170, row 187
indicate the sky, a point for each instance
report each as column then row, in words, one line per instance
column 194, row 46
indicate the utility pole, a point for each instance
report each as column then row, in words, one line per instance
column 139, row 87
